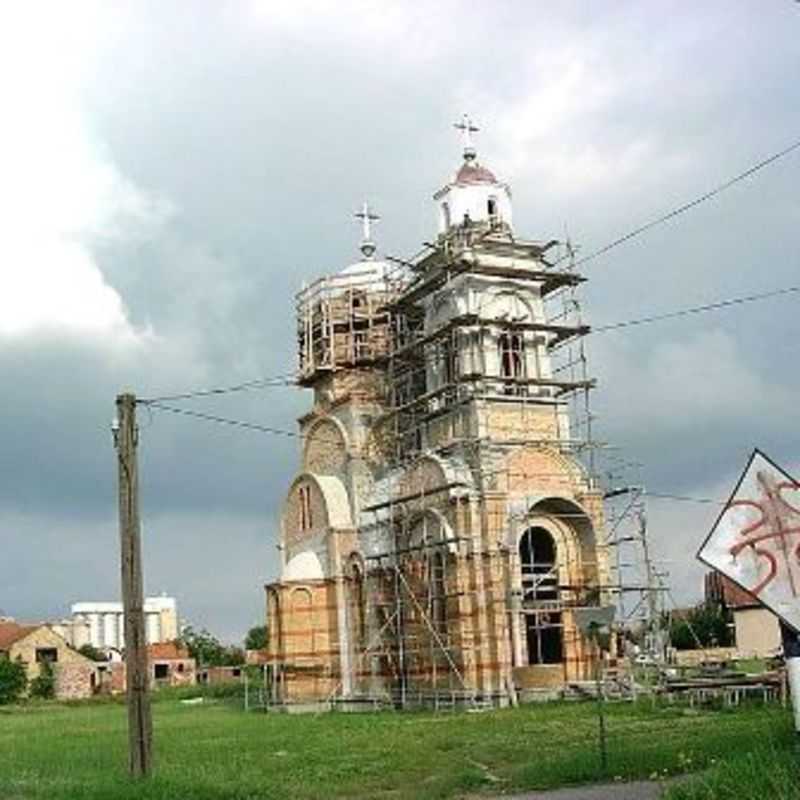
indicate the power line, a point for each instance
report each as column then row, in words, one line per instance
column 684, row 498
column 226, row 420
column 290, row 379
column 697, row 309
column 277, row 380
column 691, row 204
column 295, row 435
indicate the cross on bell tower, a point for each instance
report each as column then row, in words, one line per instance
column 467, row 129
column 367, row 217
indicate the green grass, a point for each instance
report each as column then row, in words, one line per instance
column 767, row 773
column 216, row 752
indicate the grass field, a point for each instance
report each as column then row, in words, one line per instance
column 216, row 752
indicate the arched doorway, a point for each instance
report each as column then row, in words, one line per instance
column 541, row 608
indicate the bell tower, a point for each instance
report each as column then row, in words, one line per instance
column 474, row 196
column 474, row 341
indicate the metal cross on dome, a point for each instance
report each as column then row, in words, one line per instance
column 467, row 129
column 367, row 217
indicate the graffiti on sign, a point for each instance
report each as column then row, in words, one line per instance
column 756, row 539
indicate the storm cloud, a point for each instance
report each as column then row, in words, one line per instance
column 172, row 173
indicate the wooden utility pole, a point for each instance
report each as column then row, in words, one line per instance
column 140, row 724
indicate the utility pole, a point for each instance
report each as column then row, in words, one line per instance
column 652, row 599
column 140, row 723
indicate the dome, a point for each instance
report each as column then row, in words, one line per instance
column 471, row 173
column 368, row 275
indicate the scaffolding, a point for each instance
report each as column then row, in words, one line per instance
column 343, row 321
column 424, row 585
column 446, row 594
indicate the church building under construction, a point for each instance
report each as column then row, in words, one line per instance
column 443, row 530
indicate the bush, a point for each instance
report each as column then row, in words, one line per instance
column 44, row 686
column 13, row 681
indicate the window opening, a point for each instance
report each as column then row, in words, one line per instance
column 537, row 556
column 160, row 671
column 539, row 569
column 491, row 207
column 511, row 347
column 306, row 522
column 46, row 654
column 544, row 634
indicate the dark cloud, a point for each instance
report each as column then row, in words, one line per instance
column 256, row 134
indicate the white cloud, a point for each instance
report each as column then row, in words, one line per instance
column 59, row 189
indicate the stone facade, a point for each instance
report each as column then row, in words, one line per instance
column 75, row 675
column 440, row 530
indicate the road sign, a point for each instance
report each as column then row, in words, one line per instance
column 756, row 539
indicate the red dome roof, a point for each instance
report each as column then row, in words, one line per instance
column 472, row 172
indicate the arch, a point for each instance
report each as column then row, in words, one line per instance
column 543, row 472
column 430, row 528
column 428, row 472
column 572, row 516
column 491, row 207
column 326, row 447
column 313, row 504
column 506, row 304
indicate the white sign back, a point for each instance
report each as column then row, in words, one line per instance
column 756, row 539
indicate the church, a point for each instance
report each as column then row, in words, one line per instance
column 444, row 529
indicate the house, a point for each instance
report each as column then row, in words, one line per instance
column 757, row 630
column 37, row 644
column 171, row 665
column 211, row 676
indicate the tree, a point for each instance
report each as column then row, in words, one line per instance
column 13, row 680
column 705, row 625
column 44, row 685
column 256, row 638
column 90, row 651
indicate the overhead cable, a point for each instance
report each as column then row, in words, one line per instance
column 261, row 383
column 735, row 301
column 691, row 204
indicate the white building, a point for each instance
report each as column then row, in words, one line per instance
column 103, row 624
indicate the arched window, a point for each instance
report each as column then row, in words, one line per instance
column 540, row 609
column 491, row 208
column 304, row 498
column 537, row 558
column 511, row 351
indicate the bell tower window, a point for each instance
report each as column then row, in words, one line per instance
column 511, row 347
column 306, row 522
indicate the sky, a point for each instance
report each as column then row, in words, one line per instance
column 172, row 173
